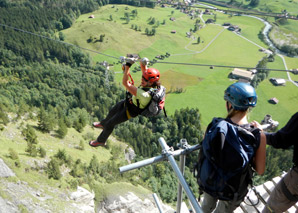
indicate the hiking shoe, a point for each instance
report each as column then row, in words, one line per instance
column 95, row 143
column 97, row 125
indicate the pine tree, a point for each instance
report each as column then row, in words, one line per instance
column 31, row 149
column 46, row 120
column 42, row 152
column 31, row 138
column 53, row 169
column 62, row 130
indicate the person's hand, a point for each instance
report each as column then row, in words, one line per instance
column 256, row 125
column 144, row 61
column 130, row 61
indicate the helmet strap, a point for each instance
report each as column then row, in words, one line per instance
column 229, row 106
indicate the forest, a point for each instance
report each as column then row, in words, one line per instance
column 65, row 88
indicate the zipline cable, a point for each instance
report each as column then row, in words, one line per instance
column 63, row 42
column 161, row 62
column 224, row 66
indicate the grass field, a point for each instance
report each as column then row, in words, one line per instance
column 202, row 87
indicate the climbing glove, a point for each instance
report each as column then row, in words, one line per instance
column 145, row 61
column 130, row 61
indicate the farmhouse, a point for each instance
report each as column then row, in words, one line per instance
column 273, row 100
column 243, row 75
column 278, row 81
column 209, row 21
column 91, row 16
column 234, row 28
column 295, row 71
column 105, row 64
column 226, row 24
column 207, row 12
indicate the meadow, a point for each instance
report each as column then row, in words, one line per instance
column 201, row 86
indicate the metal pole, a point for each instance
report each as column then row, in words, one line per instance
column 157, row 202
column 191, row 206
column 141, row 163
column 178, row 173
column 156, row 159
column 183, row 142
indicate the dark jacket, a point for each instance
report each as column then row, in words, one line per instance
column 286, row 137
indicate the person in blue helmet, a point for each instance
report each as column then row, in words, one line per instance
column 240, row 98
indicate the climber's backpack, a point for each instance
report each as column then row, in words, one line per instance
column 224, row 169
column 156, row 105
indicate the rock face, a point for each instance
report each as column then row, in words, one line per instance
column 84, row 200
column 130, row 203
column 129, row 154
column 81, row 201
column 5, row 171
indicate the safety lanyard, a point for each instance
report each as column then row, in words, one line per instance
column 132, row 82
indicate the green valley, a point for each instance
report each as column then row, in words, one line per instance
column 218, row 46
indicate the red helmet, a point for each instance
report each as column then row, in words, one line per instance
column 151, row 75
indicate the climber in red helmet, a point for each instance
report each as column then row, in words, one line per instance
column 133, row 105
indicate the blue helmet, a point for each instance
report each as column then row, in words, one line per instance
column 241, row 96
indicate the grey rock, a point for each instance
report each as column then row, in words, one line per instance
column 5, row 171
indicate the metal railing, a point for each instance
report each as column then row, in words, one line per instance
column 168, row 154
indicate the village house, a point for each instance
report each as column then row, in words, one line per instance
column 91, row 16
column 234, row 28
column 273, row 100
column 207, row 12
column 295, row 71
column 209, row 21
column 242, row 75
column 226, row 24
column 105, row 64
column 278, row 81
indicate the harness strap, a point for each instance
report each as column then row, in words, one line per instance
column 287, row 193
column 128, row 114
column 164, row 110
column 132, row 81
